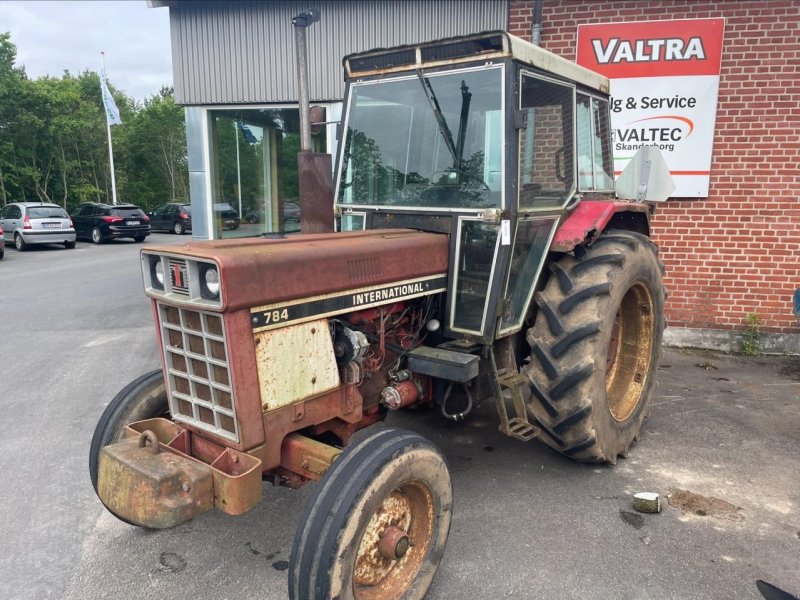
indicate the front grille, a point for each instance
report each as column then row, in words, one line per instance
column 198, row 378
column 178, row 275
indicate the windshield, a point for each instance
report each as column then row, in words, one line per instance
column 432, row 141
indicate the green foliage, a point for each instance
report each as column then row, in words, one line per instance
column 54, row 147
column 751, row 342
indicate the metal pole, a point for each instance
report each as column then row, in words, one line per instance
column 300, row 23
column 536, row 32
column 110, row 148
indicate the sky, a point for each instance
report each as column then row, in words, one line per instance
column 60, row 35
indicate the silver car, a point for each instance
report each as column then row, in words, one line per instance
column 28, row 223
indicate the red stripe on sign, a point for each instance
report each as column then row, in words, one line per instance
column 617, row 173
column 652, row 48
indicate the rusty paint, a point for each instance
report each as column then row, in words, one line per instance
column 146, row 488
column 260, row 272
column 316, row 192
column 237, row 482
column 385, row 564
column 401, row 394
column 155, row 490
column 588, row 220
column 393, row 543
column 306, row 457
column 294, row 363
column 341, row 404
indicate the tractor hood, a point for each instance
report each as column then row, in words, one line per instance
column 262, row 271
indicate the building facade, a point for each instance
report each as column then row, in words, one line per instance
column 732, row 259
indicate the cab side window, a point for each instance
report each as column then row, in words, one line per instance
column 595, row 160
column 546, row 152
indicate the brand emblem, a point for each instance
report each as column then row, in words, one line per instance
column 177, row 276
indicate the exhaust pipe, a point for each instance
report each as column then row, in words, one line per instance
column 313, row 168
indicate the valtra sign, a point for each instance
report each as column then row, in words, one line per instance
column 664, row 86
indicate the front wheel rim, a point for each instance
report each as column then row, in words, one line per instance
column 630, row 352
column 406, row 516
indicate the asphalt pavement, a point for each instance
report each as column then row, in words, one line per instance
column 722, row 438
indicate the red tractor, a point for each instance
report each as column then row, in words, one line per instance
column 481, row 256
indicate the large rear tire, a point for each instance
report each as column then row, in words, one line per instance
column 376, row 526
column 143, row 398
column 596, row 345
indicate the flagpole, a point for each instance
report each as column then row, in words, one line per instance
column 110, row 147
column 238, row 167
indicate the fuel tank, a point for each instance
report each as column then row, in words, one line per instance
column 265, row 271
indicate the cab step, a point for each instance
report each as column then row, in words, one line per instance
column 509, row 385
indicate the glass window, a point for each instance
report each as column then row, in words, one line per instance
column 530, row 246
column 476, row 259
column 434, row 140
column 353, row 221
column 126, row 212
column 595, row 169
column 47, row 212
column 547, row 163
column 254, row 170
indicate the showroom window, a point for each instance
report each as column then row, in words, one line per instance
column 254, row 170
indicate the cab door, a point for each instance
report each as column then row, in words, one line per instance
column 546, row 185
column 477, row 254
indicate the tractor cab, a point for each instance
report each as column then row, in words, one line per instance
column 486, row 138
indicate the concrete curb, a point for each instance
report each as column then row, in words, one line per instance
column 730, row 341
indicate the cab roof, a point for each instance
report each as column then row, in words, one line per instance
column 481, row 46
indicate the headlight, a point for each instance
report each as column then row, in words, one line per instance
column 210, row 279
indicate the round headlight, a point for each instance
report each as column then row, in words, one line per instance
column 211, row 278
column 158, row 271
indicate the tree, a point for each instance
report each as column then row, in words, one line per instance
column 53, row 144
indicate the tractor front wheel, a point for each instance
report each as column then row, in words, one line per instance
column 376, row 526
column 143, row 398
column 596, row 345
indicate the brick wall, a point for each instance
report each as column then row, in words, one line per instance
column 738, row 251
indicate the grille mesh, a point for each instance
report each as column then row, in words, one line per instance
column 200, row 391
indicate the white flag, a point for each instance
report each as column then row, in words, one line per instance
column 112, row 112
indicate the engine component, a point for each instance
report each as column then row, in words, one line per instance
column 348, row 344
column 400, row 394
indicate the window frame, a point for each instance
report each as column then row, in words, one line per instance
column 568, row 196
column 340, row 207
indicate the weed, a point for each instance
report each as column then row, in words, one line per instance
column 707, row 365
column 751, row 342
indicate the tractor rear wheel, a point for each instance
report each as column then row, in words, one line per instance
column 596, row 345
column 376, row 525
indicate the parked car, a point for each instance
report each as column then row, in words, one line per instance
column 227, row 214
column 2, row 243
column 28, row 223
column 173, row 217
column 291, row 216
column 101, row 222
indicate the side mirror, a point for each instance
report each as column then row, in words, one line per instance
column 646, row 178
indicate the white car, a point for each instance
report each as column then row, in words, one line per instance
column 29, row 223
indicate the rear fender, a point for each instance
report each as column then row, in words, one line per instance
column 591, row 217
